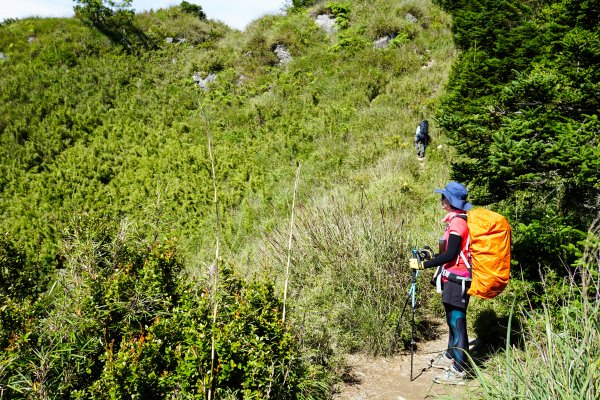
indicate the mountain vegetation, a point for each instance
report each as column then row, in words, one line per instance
column 191, row 211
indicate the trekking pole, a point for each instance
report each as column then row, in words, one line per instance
column 413, row 293
column 424, row 254
column 400, row 318
column 412, row 297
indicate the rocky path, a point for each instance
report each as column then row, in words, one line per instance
column 388, row 378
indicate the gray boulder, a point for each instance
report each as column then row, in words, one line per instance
column 283, row 54
column 203, row 82
column 382, row 43
column 411, row 18
column 327, row 23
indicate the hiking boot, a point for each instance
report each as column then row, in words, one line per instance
column 451, row 377
column 442, row 361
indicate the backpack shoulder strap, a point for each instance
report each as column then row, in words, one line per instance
column 462, row 254
column 461, row 216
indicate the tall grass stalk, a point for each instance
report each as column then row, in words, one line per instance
column 287, row 267
column 214, row 270
column 560, row 357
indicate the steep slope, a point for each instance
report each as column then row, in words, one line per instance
column 88, row 127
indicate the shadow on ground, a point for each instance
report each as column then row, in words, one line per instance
column 491, row 333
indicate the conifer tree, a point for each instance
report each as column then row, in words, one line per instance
column 522, row 110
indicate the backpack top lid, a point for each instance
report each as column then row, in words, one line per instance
column 424, row 126
column 490, row 237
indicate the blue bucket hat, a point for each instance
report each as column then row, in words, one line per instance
column 456, row 193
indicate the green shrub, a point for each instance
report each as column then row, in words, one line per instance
column 382, row 25
column 115, row 20
column 296, row 32
column 350, row 42
column 179, row 25
column 255, row 354
column 505, row 113
column 19, row 277
column 123, row 320
column 21, row 283
column 341, row 12
column 302, row 3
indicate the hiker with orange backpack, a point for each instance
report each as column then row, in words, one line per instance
column 474, row 260
column 454, row 279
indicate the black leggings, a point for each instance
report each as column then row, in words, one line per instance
column 458, row 341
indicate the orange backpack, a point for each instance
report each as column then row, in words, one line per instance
column 489, row 237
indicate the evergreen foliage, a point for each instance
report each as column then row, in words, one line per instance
column 114, row 19
column 122, row 319
column 562, row 337
column 522, row 109
column 192, row 9
column 302, row 3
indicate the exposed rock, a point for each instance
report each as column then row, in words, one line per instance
column 2, row 56
column 173, row 40
column 411, row 18
column 283, row 54
column 327, row 23
column 241, row 80
column 382, row 43
column 203, row 83
column 31, row 39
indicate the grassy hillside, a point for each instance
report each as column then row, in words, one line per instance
column 89, row 127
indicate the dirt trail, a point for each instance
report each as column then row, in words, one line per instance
column 388, row 378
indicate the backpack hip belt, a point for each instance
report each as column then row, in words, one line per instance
column 451, row 276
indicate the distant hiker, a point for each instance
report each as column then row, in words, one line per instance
column 422, row 138
column 453, row 281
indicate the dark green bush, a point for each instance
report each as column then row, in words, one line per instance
column 21, row 282
column 341, row 12
column 302, row 3
column 19, row 277
column 255, row 354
